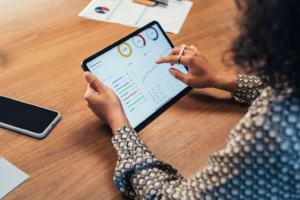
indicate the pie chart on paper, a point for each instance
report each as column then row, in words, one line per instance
column 101, row 10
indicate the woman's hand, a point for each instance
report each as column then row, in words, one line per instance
column 104, row 103
column 201, row 74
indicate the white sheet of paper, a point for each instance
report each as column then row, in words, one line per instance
column 125, row 12
column 10, row 177
column 120, row 11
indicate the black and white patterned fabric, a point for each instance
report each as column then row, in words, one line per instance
column 247, row 89
column 261, row 160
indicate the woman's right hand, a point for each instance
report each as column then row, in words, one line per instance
column 104, row 103
column 201, row 74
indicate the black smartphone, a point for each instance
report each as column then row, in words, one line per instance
column 25, row 118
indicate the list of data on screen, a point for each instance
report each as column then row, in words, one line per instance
column 131, row 72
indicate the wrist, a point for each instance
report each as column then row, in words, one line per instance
column 117, row 122
column 225, row 81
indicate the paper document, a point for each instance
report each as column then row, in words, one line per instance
column 125, row 12
column 10, row 177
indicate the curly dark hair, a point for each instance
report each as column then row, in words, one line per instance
column 269, row 42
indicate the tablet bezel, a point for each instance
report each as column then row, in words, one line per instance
column 163, row 107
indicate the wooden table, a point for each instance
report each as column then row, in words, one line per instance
column 42, row 44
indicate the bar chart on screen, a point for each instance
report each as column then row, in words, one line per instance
column 128, row 92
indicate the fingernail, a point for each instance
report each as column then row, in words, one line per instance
column 171, row 71
column 88, row 75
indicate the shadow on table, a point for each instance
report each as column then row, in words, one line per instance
column 198, row 100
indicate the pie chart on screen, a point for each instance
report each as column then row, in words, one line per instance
column 101, row 10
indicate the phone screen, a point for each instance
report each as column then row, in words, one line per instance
column 25, row 116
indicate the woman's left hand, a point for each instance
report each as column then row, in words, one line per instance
column 104, row 103
column 201, row 74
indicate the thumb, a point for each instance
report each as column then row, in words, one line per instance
column 179, row 75
column 94, row 82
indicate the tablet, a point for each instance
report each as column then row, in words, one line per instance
column 128, row 67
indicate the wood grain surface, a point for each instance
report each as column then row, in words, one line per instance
column 42, row 44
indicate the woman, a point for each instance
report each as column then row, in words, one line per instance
column 262, row 157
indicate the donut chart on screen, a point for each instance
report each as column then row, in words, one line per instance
column 152, row 33
column 125, row 50
column 139, row 41
column 101, row 10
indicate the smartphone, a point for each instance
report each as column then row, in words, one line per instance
column 25, row 118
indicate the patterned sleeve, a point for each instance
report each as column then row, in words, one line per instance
column 260, row 161
column 248, row 88
column 138, row 173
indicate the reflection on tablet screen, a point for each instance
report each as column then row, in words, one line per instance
column 131, row 72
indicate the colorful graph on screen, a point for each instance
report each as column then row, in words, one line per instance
column 155, row 66
column 125, row 49
column 139, row 41
column 152, row 33
column 101, row 10
column 128, row 91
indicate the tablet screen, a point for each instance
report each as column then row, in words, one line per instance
column 129, row 69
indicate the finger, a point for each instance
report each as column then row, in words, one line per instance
column 186, row 47
column 179, row 75
column 173, row 60
column 89, row 93
column 193, row 48
column 94, row 82
column 88, row 104
column 90, row 89
column 177, row 50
